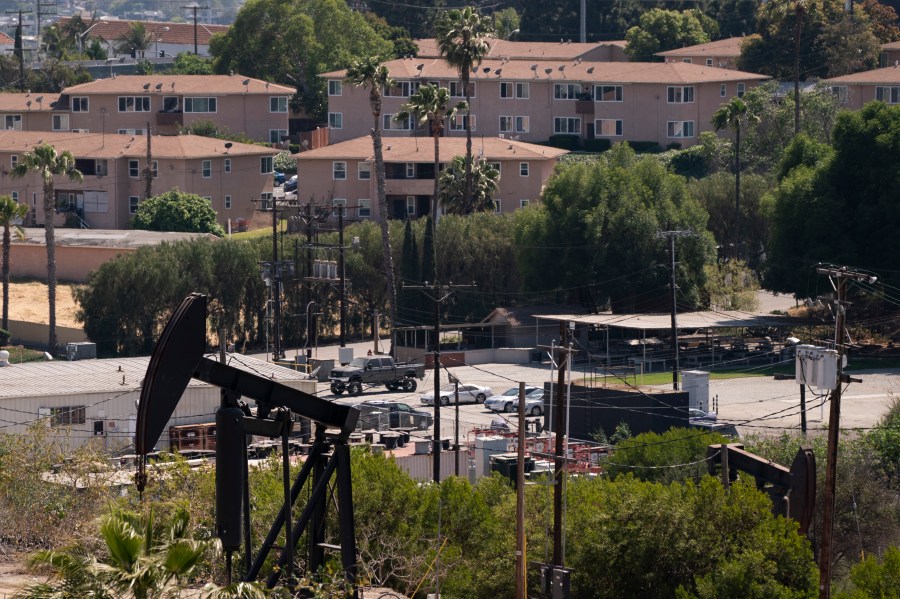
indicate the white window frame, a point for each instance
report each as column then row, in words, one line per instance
column 410, row 205
column 275, row 135
column 364, row 170
column 410, row 170
column 889, row 94
column 226, row 167
column 498, row 206
column 15, row 196
column 458, row 122
column 58, row 120
column 618, row 92
column 498, row 166
column 507, row 124
column 841, row 92
column 266, row 165
column 278, row 104
column 227, row 202
column 131, row 131
column 507, row 90
column 266, row 200
column 133, row 203
column 617, row 124
column 741, row 89
column 335, row 87
column 523, row 124
column 524, row 203
column 456, row 89
column 339, row 170
column 335, row 120
column 212, row 104
column 206, row 169
column 14, row 119
column 13, row 161
column 389, row 124
column 673, row 133
column 402, row 89
column 134, row 169
column 709, row 62
column 688, row 60
column 78, row 101
column 576, row 120
column 524, row 169
column 339, row 205
column 522, row 90
column 723, row 90
column 137, row 104
column 680, row 94
column 364, row 208
column 566, row 91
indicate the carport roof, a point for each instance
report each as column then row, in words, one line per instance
column 686, row 320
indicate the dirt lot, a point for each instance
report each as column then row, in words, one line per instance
column 28, row 302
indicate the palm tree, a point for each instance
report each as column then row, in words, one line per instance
column 11, row 212
column 137, row 38
column 480, row 197
column 431, row 105
column 734, row 114
column 462, row 37
column 47, row 162
column 372, row 74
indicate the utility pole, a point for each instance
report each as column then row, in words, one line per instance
column 276, row 281
column 583, row 21
column 560, row 459
column 148, row 171
column 41, row 5
column 521, row 580
column 195, row 7
column 673, row 288
column 839, row 278
column 342, row 285
column 18, row 48
column 437, row 293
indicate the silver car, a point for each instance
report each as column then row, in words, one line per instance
column 508, row 401
column 467, row 394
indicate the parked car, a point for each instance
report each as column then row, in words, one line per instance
column 729, row 430
column 695, row 414
column 467, row 394
column 279, row 178
column 508, row 401
column 380, row 415
column 291, row 184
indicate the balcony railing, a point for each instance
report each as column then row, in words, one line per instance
column 168, row 119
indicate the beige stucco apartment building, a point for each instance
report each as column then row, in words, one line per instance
column 723, row 53
column 858, row 89
column 233, row 176
column 27, row 111
column 343, row 174
column 662, row 103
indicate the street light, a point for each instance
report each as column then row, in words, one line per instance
column 81, row 36
column 158, row 36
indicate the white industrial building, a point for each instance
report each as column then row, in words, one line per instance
column 97, row 399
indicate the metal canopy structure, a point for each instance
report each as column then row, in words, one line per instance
column 686, row 320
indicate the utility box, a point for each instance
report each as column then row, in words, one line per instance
column 485, row 447
column 345, row 355
column 81, row 350
column 816, row 367
column 696, row 384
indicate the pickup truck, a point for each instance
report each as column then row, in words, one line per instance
column 374, row 371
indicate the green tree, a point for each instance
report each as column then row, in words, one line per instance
column 850, row 45
column 134, row 41
column 662, row 30
column 875, row 578
column 731, row 285
column 409, row 274
column 177, row 211
column 186, row 63
column 735, row 115
column 465, row 188
column 429, row 259
column 676, row 455
column 506, row 23
column 462, row 38
column 11, row 215
column 371, row 74
column 883, row 20
column 415, row 16
column 96, row 50
column 431, row 105
column 47, row 163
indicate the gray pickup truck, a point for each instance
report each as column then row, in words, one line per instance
column 374, row 371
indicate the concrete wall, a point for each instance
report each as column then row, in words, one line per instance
column 73, row 264
column 35, row 334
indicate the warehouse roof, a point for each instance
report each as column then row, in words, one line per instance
column 686, row 320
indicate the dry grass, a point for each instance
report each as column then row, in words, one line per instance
column 28, row 302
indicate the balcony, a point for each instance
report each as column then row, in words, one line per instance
column 169, row 119
column 584, row 107
column 409, row 187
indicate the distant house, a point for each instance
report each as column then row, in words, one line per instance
column 858, row 89
column 5, row 40
column 518, row 327
column 609, row 51
column 723, row 54
column 232, row 176
column 165, row 37
column 890, row 54
column 344, row 173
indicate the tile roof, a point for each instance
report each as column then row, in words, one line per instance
column 428, row 48
column 179, row 84
column 22, row 102
column 411, row 149
column 876, row 76
column 5, row 40
column 891, row 46
column 726, row 47
column 113, row 146
column 167, row 32
column 561, row 71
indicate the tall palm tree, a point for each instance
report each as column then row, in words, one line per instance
column 462, row 36
column 137, row 38
column 47, row 163
column 734, row 114
column 11, row 212
column 372, row 74
column 480, row 197
column 431, row 105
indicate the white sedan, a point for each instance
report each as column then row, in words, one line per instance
column 467, row 394
column 509, row 401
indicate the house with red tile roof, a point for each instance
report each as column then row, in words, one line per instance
column 343, row 173
column 5, row 40
column 723, row 53
column 858, row 89
column 654, row 102
column 167, row 37
column 236, row 178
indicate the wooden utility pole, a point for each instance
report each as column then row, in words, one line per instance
column 148, row 170
column 560, row 458
column 673, row 289
column 343, row 284
column 18, row 48
column 840, row 277
column 521, row 579
column 195, row 7
column 456, row 425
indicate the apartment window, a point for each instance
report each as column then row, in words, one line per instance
column 15, row 196
column 496, row 206
column 741, row 88
column 410, row 170
column 64, row 416
column 390, row 124
column 60, row 122
column 276, row 135
column 680, row 129
column 12, row 121
column 364, row 209
column 522, row 124
column 227, row 166
column 134, row 103
column 607, row 93
column 336, row 120
column 566, row 91
column 338, row 170
column 335, row 87
column 567, row 124
column 13, row 161
column 363, row 171
column 228, row 202
column 608, row 128
column 709, row 62
column 506, row 124
column 133, row 202
column 687, row 60
column 278, row 104
column 840, row 92
column 206, row 169
column 266, row 165
column 507, row 90
column 522, row 91
column 497, row 167
column 681, row 94
column 80, row 104
column 131, row 131
column 411, row 205
column 170, row 103
column 458, row 122
column 200, row 105
column 723, row 90
column 523, row 169
column 265, row 200
column 524, row 203
column 101, row 168
column 457, row 90
column 134, row 169
column 339, row 206
column 402, row 89
column 888, row 95
column 208, row 199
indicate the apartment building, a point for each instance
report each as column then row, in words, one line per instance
column 343, row 173
column 723, row 53
column 858, row 89
column 662, row 103
column 609, row 51
column 27, row 111
column 234, row 177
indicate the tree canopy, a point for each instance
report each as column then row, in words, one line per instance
column 660, row 30
column 175, row 210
